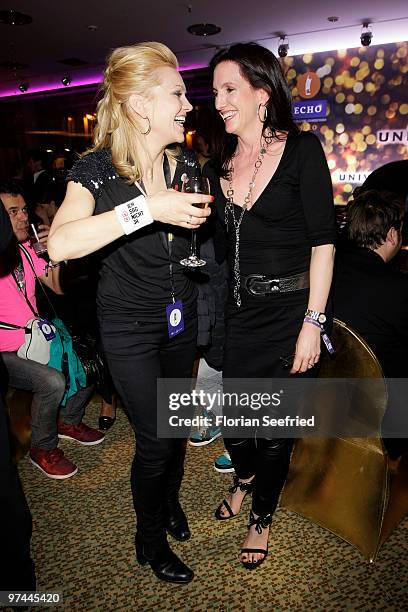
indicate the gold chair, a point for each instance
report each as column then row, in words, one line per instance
column 349, row 485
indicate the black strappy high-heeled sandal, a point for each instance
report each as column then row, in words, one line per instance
column 262, row 522
column 245, row 487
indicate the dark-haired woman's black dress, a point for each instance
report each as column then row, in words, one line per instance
column 294, row 213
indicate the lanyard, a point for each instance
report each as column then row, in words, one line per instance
column 21, row 284
column 167, row 238
column 170, row 235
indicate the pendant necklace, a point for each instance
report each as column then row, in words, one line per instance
column 229, row 211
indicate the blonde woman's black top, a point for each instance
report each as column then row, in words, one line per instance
column 134, row 276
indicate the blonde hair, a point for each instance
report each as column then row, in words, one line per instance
column 129, row 70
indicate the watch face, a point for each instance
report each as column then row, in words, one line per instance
column 322, row 318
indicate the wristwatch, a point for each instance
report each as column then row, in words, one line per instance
column 320, row 317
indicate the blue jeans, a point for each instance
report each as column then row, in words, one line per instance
column 47, row 386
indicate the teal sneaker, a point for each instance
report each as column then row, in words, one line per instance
column 202, row 437
column 223, row 463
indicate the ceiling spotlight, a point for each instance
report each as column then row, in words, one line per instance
column 23, row 87
column 204, row 29
column 283, row 46
column 66, row 80
column 366, row 35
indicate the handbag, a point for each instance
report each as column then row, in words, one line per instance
column 37, row 339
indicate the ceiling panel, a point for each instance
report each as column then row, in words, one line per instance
column 60, row 30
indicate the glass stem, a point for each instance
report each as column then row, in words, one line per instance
column 193, row 244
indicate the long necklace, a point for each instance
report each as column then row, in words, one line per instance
column 229, row 211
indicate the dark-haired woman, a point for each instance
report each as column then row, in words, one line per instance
column 275, row 200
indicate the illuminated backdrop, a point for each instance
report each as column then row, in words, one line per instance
column 366, row 124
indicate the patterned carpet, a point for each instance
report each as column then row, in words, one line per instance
column 83, row 545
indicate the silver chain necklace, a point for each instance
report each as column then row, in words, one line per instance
column 229, row 211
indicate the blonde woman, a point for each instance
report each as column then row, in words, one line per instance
column 123, row 198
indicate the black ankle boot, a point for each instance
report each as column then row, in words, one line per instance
column 176, row 523
column 164, row 563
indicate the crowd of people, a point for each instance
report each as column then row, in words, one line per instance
column 268, row 223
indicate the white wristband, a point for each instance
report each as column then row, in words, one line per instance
column 134, row 214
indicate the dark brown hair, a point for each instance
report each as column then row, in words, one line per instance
column 262, row 70
column 371, row 216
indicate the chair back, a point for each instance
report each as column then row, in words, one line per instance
column 356, row 403
column 345, row 483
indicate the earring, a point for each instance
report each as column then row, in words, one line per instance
column 149, row 128
column 262, row 120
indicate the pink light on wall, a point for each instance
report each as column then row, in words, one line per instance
column 193, row 67
column 91, row 80
column 94, row 79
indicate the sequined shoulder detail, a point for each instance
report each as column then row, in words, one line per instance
column 93, row 171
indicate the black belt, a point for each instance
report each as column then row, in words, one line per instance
column 262, row 284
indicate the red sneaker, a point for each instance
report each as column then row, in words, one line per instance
column 53, row 463
column 80, row 433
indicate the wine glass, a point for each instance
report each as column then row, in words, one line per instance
column 38, row 246
column 195, row 184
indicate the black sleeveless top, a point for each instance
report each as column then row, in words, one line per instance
column 134, row 276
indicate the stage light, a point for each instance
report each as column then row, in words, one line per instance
column 23, row 87
column 66, row 80
column 366, row 35
column 283, row 46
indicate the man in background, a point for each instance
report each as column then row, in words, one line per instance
column 49, row 419
column 370, row 293
column 40, row 177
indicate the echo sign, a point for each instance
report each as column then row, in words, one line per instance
column 310, row 109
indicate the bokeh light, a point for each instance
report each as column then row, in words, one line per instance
column 366, row 93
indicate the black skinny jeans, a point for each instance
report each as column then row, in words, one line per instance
column 138, row 353
column 257, row 335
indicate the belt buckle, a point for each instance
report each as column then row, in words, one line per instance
column 263, row 279
column 276, row 284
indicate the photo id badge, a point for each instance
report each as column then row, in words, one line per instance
column 47, row 329
column 175, row 318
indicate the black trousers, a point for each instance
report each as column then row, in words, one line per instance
column 138, row 353
column 261, row 332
